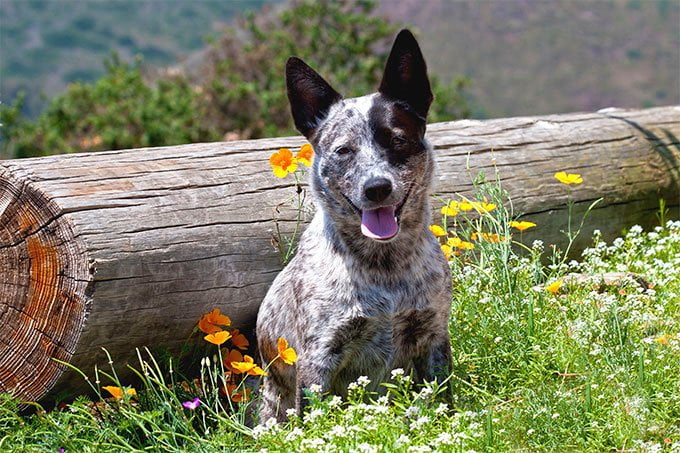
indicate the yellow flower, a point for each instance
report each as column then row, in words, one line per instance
column 288, row 355
column 466, row 245
column 218, row 337
column 282, row 162
column 454, row 242
column 490, row 237
column 447, row 251
column 568, row 178
column 247, row 366
column 663, row 339
column 451, row 209
column 554, row 286
column 523, row 225
column 482, row 206
column 465, row 206
column 437, row 231
column 305, row 155
column 117, row 392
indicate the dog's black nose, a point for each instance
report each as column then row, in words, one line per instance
column 377, row 189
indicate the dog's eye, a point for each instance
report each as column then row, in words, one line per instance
column 343, row 150
column 398, row 141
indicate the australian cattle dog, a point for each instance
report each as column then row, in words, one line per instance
column 369, row 289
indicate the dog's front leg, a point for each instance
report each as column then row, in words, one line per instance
column 435, row 364
column 312, row 371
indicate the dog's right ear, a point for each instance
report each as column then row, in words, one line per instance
column 310, row 96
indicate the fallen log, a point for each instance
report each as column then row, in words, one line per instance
column 128, row 248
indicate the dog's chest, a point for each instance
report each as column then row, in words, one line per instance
column 375, row 324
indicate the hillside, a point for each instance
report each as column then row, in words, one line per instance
column 533, row 56
column 523, row 56
column 46, row 44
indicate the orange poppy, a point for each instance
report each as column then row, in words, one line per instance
column 288, row 355
column 218, row 337
column 305, row 155
column 523, row 225
column 239, row 340
column 118, row 392
column 282, row 162
column 233, row 356
column 247, row 366
column 210, row 322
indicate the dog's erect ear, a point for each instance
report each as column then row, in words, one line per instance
column 405, row 77
column 310, row 96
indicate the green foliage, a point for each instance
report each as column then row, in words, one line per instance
column 118, row 111
column 342, row 40
column 240, row 91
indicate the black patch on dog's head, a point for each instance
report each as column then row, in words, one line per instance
column 396, row 129
column 310, row 96
column 405, row 77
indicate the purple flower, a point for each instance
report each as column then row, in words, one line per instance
column 192, row 404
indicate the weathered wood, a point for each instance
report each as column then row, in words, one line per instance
column 128, row 248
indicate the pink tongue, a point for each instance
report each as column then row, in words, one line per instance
column 379, row 223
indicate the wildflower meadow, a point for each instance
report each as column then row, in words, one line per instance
column 549, row 353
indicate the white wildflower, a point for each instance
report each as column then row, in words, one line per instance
column 294, row 434
column 338, row 431
column 419, row 449
column 313, row 415
column 412, row 411
column 314, row 444
column 419, row 422
column 401, row 441
column 365, row 448
column 363, row 381
column 444, row 439
column 426, row 392
column 442, row 408
column 335, row 401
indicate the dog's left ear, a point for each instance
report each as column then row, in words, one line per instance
column 405, row 78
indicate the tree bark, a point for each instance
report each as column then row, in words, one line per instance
column 126, row 249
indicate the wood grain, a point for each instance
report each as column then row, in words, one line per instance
column 125, row 249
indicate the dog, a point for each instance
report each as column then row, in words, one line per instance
column 369, row 289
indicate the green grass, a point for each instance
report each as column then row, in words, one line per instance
column 592, row 367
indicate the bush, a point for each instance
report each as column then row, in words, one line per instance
column 120, row 110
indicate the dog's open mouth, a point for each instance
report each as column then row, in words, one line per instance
column 382, row 224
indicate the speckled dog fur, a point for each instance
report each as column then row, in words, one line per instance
column 348, row 304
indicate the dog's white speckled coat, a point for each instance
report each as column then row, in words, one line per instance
column 348, row 304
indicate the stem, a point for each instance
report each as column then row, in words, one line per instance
column 298, row 220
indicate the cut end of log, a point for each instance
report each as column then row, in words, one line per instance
column 43, row 277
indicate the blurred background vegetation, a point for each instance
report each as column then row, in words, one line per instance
column 80, row 75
